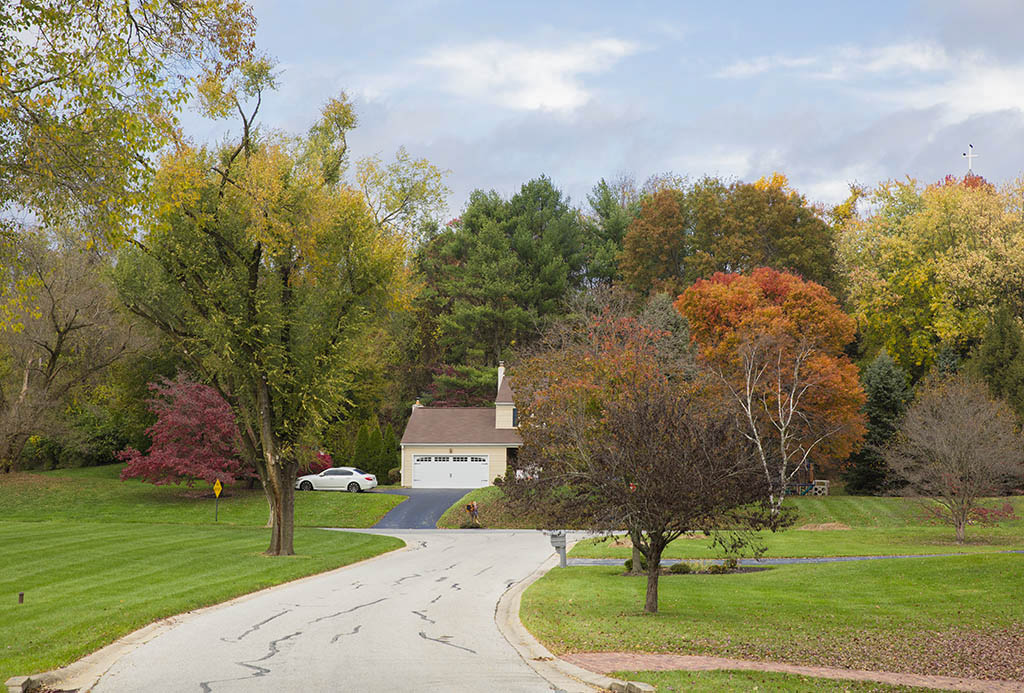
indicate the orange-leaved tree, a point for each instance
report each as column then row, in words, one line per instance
column 619, row 432
column 777, row 342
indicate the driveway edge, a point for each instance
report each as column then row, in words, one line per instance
column 562, row 675
column 82, row 674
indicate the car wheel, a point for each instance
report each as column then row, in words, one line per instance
column 354, row 487
column 306, row 486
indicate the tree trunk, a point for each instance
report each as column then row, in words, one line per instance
column 280, row 479
column 634, row 539
column 281, row 494
column 657, row 545
column 637, row 567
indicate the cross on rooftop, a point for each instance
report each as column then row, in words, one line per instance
column 969, row 155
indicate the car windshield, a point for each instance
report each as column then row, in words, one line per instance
column 359, row 471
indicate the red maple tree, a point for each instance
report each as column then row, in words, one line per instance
column 194, row 437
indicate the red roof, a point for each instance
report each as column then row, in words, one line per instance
column 457, row 425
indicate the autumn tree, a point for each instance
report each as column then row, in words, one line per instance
column 616, row 435
column 268, row 271
column 658, row 243
column 928, row 266
column 956, row 446
column 689, row 232
column 89, row 89
column 777, row 343
column 193, row 439
column 70, row 336
column 887, row 396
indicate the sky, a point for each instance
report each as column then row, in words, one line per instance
column 826, row 93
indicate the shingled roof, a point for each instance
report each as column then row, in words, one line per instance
column 504, row 391
column 457, row 425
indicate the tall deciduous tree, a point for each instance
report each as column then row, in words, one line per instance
column 957, row 445
column 194, row 437
column 88, row 90
column 70, row 337
column 686, row 233
column 927, row 266
column 776, row 341
column 268, row 271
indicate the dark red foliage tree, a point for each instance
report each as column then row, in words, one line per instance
column 194, row 437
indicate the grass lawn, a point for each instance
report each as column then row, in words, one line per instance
column 98, row 558
column 493, row 512
column 95, row 494
column 87, row 584
column 744, row 681
column 959, row 616
column 875, row 526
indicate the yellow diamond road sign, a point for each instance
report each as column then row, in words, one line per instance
column 216, row 488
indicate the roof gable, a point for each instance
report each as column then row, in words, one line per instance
column 456, row 426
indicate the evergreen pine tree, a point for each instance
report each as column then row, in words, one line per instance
column 888, row 395
column 999, row 360
column 391, row 452
column 361, row 449
column 374, row 452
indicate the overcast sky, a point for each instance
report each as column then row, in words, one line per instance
column 501, row 92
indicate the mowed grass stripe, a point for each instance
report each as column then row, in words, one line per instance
column 97, row 495
column 88, row 584
column 934, row 615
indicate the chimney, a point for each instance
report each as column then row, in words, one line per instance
column 501, row 373
column 417, row 405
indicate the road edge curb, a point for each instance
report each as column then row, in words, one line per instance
column 562, row 675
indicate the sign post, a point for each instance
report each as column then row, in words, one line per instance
column 216, row 504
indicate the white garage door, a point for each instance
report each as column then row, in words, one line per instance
column 449, row 471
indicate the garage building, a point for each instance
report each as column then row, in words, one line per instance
column 460, row 447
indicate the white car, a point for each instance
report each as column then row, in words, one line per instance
column 337, row 479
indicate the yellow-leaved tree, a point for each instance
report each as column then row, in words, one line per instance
column 270, row 273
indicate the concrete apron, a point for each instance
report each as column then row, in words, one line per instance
column 419, row 618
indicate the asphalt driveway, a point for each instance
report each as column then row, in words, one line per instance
column 423, row 509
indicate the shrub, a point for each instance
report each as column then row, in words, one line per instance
column 395, row 475
column 681, row 568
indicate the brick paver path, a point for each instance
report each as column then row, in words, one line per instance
column 607, row 662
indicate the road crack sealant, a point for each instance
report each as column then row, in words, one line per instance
column 348, row 611
column 256, row 627
column 443, row 641
column 341, row 635
column 258, row 671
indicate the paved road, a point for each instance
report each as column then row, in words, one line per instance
column 420, row 619
column 423, row 509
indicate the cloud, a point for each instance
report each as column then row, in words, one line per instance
column 849, row 61
column 525, row 78
column 742, row 69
